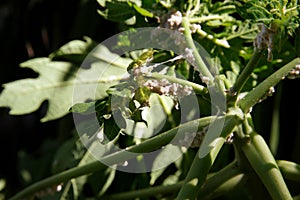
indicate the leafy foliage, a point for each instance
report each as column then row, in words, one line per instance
column 57, row 79
column 141, row 112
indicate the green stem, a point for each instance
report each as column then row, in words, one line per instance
column 257, row 93
column 204, row 18
column 275, row 127
column 296, row 197
column 219, row 42
column 225, row 8
column 222, row 182
column 195, row 5
column 201, row 165
column 290, row 170
column 114, row 158
column 147, row 192
column 199, row 89
column 201, row 66
column 241, row 34
column 58, row 178
column 264, row 164
column 219, row 183
column 244, row 76
column 198, row 171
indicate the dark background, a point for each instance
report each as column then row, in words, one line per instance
column 29, row 29
column 34, row 28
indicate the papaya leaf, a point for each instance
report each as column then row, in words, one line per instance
column 25, row 96
column 74, row 51
column 56, row 82
column 85, row 108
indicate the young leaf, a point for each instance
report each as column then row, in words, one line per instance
column 141, row 10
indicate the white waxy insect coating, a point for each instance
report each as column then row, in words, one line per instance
column 175, row 19
column 195, row 27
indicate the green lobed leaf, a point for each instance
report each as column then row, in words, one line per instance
column 74, row 51
column 56, row 82
column 26, row 95
column 85, row 108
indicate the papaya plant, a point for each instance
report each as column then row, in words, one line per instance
column 164, row 109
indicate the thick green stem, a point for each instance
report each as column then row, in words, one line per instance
column 275, row 127
column 198, row 172
column 296, row 197
column 201, row 165
column 117, row 157
column 222, row 182
column 264, row 164
column 290, row 170
column 58, row 178
column 227, row 179
column 201, row 66
column 244, row 76
column 147, row 192
column 257, row 93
